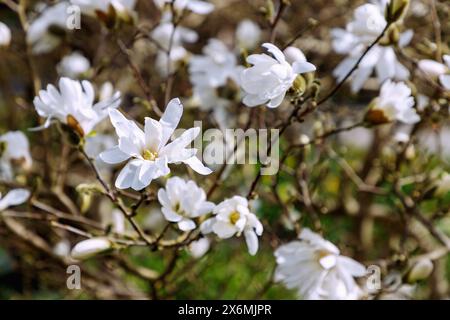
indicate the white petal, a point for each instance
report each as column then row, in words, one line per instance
column 275, row 51
column 197, row 166
column 14, row 198
column 252, row 241
column 303, row 67
column 170, row 119
column 113, row 155
column 186, row 225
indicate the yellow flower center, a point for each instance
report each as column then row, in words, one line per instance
column 150, row 155
column 234, row 217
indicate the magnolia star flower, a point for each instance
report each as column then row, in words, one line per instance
column 182, row 201
column 233, row 217
column 40, row 34
column 74, row 105
column 368, row 23
column 14, row 148
column 149, row 151
column 394, row 103
column 73, row 65
column 196, row 6
column 248, row 34
column 314, row 267
column 435, row 69
column 5, row 35
column 268, row 80
column 14, row 198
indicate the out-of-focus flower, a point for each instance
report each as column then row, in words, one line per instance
column 268, row 80
column 5, row 35
column 14, row 149
column 435, row 69
column 315, row 267
column 367, row 24
column 90, row 247
column 44, row 32
column 248, row 34
column 14, row 197
column 196, row 6
column 74, row 105
column 199, row 247
column 233, row 217
column 96, row 144
column 215, row 66
column 62, row 248
column 394, row 103
column 149, row 151
column 182, row 201
column 73, row 65
column 107, row 9
column 169, row 38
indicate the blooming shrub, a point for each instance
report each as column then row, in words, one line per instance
column 136, row 139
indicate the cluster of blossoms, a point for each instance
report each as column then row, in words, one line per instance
column 368, row 23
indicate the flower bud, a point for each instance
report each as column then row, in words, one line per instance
column 396, row 10
column 420, row 271
column 432, row 68
column 88, row 248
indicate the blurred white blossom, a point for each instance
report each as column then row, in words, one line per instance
column 248, row 34
column 268, row 80
column 394, row 103
column 196, row 6
column 367, row 24
column 233, row 217
column 73, row 65
column 14, row 197
column 182, row 201
column 5, row 35
column 14, row 149
column 316, row 269
column 90, row 247
column 199, row 247
column 40, row 33
column 148, row 151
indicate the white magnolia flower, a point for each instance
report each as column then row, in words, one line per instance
column 14, row 147
column 90, row 247
column 367, row 24
column 248, row 34
column 73, row 65
column 91, row 7
column 268, row 80
column 233, row 217
column 314, row 267
column 435, row 69
column 14, row 198
column 74, row 105
column 39, row 34
column 166, row 38
column 394, row 103
column 199, row 247
column 148, row 151
column 182, row 201
column 5, row 35
column 214, row 67
column 96, row 144
column 196, row 6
